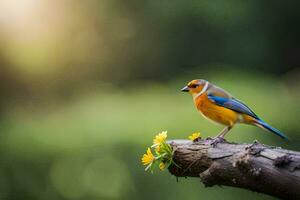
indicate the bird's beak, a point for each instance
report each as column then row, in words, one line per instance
column 185, row 89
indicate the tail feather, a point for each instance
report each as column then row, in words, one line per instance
column 266, row 126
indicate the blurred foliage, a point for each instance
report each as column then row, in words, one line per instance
column 91, row 147
column 85, row 85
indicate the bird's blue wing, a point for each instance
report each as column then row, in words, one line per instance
column 232, row 104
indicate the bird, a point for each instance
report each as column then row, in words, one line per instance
column 218, row 105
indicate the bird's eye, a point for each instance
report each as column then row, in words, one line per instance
column 193, row 86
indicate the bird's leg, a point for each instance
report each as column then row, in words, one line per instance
column 220, row 138
column 224, row 132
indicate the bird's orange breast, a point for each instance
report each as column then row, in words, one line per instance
column 214, row 112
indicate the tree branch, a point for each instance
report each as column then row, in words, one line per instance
column 256, row 167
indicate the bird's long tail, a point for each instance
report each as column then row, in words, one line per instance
column 264, row 125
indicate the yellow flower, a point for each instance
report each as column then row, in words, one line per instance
column 148, row 157
column 162, row 166
column 194, row 136
column 159, row 138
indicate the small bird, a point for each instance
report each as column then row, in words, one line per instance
column 218, row 105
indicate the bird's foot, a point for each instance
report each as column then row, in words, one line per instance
column 216, row 140
column 255, row 142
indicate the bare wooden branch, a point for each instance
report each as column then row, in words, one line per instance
column 257, row 167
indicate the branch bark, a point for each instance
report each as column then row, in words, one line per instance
column 257, row 167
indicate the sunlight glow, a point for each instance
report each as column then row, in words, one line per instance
column 18, row 12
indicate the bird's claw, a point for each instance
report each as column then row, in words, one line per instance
column 216, row 140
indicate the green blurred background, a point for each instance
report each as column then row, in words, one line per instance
column 85, row 85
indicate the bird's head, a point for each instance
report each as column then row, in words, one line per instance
column 196, row 87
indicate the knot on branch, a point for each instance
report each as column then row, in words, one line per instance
column 282, row 160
